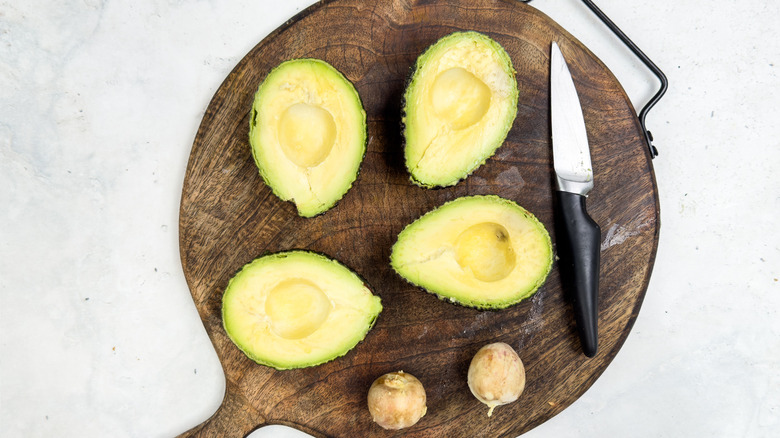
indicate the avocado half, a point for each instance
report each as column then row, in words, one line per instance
column 297, row 309
column 458, row 107
column 478, row 251
column 308, row 134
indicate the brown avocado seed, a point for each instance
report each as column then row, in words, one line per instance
column 396, row 400
column 496, row 375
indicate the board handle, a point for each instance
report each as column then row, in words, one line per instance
column 648, row 63
column 234, row 418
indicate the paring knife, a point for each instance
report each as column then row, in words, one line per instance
column 578, row 235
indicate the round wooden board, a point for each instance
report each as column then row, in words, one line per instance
column 228, row 217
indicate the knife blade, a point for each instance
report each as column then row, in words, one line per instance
column 578, row 236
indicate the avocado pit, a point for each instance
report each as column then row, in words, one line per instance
column 296, row 308
column 306, row 134
column 486, row 250
column 460, row 98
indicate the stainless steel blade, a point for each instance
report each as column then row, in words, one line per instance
column 571, row 154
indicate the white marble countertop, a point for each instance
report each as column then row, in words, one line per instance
column 100, row 102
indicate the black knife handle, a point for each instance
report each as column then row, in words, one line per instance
column 578, row 243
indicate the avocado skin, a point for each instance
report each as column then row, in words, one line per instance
column 418, row 64
column 395, row 264
column 253, row 126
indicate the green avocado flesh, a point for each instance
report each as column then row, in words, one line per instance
column 459, row 105
column 477, row 251
column 308, row 134
column 297, row 309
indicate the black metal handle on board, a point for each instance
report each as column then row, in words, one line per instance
column 648, row 63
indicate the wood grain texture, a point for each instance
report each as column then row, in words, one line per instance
column 228, row 217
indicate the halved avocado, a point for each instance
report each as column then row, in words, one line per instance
column 297, row 309
column 458, row 108
column 308, row 134
column 477, row 251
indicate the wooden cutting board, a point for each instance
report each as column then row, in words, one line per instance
column 228, row 217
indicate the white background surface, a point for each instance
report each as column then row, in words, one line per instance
column 100, row 102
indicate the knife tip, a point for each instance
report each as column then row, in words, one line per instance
column 554, row 49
